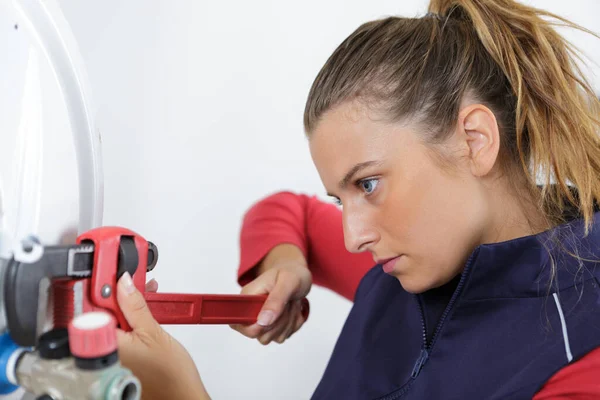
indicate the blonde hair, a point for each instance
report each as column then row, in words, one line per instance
column 510, row 57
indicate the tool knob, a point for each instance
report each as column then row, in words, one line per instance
column 152, row 256
column 93, row 335
column 54, row 345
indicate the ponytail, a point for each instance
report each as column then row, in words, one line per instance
column 557, row 114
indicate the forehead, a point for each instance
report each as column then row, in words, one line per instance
column 349, row 134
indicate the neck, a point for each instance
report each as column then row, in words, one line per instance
column 514, row 215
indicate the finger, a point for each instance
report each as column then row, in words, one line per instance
column 278, row 328
column 152, row 286
column 251, row 331
column 299, row 322
column 295, row 309
column 285, row 333
column 261, row 285
column 134, row 306
column 124, row 339
column 284, row 288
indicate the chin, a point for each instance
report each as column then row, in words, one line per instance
column 414, row 286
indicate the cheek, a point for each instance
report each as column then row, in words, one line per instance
column 452, row 234
column 421, row 200
column 435, row 221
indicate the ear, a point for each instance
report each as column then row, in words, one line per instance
column 478, row 126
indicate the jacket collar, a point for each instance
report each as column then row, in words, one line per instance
column 522, row 267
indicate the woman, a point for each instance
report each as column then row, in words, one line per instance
column 433, row 133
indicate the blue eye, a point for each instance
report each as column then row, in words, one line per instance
column 369, row 185
column 337, row 201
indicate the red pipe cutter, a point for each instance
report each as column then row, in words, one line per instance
column 83, row 277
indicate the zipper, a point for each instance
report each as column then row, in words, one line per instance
column 427, row 347
column 454, row 297
column 424, row 355
column 420, row 362
column 423, row 323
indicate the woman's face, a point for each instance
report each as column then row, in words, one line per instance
column 399, row 202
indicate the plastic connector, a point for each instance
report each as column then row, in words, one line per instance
column 93, row 335
column 9, row 355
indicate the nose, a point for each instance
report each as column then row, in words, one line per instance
column 359, row 233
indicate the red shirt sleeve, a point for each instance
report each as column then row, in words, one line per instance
column 312, row 225
column 576, row 381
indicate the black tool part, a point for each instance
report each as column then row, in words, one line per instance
column 45, row 397
column 152, row 256
column 128, row 257
column 54, row 345
column 22, row 288
column 93, row 364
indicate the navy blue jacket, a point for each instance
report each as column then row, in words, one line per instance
column 498, row 331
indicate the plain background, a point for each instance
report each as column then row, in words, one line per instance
column 200, row 106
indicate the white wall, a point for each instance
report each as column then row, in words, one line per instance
column 200, row 105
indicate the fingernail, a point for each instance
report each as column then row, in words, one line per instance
column 127, row 283
column 265, row 318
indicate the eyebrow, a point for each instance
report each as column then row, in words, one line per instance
column 353, row 171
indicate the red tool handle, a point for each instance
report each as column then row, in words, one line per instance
column 186, row 309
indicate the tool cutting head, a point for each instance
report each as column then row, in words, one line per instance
column 68, row 271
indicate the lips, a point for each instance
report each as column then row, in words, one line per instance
column 388, row 264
